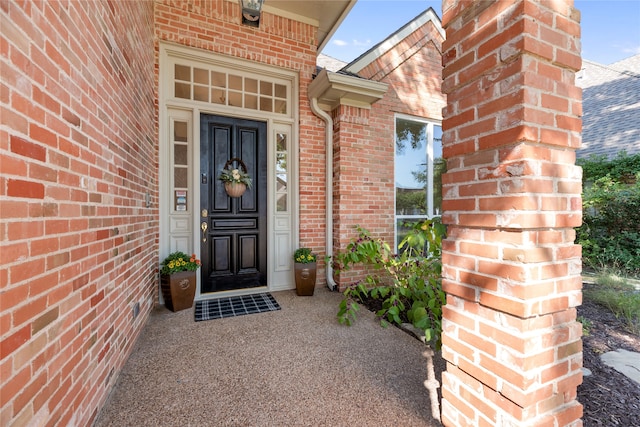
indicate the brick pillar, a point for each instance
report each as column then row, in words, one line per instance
column 511, row 199
column 350, row 181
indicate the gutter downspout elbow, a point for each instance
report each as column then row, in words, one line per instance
column 315, row 108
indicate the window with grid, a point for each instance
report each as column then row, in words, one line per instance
column 231, row 89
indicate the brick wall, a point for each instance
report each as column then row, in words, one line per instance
column 511, row 200
column 78, row 244
column 364, row 151
column 361, row 188
column 413, row 70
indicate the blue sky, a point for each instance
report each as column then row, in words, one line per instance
column 610, row 28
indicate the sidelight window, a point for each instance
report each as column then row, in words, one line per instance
column 282, row 177
column 180, row 144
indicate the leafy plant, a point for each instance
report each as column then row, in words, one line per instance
column 622, row 168
column 237, row 176
column 304, row 256
column 408, row 283
column 619, row 296
column 610, row 233
column 586, row 325
column 179, row 261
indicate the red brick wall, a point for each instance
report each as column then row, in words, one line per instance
column 511, row 200
column 364, row 192
column 215, row 26
column 361, row 188
column 78, row 245
column 413, row 70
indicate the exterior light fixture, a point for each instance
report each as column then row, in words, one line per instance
column 251, row 12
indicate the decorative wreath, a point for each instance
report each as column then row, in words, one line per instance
column 235, row 175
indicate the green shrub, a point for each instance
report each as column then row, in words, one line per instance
column 408, row 285
column 623, row 168
column 622, row 298
column 610, row 233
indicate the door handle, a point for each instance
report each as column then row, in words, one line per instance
column 203, row 227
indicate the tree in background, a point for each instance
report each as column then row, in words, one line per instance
column 610, row 233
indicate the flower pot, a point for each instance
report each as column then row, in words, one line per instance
column 235, row 189
column 305, row 278
column 178, row 290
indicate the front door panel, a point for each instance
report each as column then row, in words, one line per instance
column 234, row 239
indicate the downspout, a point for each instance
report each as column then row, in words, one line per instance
column 328, row 136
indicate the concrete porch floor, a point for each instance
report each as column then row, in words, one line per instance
column 293, row 367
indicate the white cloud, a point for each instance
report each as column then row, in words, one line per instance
column 633, row 50
column 354, row 42
column 359, row 43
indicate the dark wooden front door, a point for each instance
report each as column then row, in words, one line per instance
column 234, row 239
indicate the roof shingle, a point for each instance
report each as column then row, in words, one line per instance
column 611, row 107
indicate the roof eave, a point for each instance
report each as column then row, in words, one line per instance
column 334, row 89
column 325, row 36
column 390, row 42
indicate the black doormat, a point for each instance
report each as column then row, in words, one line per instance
column 235, row 306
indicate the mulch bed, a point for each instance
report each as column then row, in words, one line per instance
column 609, row 398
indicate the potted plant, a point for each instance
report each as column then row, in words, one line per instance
column 178, row 280
column 305, row 271
column 236, row 180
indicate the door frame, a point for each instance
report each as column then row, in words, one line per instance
column 282, row 229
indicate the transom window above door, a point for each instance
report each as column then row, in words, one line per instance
column 231, row 89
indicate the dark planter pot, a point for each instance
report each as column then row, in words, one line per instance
column 305, row 278
column 178, row 290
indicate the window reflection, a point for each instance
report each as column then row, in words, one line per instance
column 411, row 167
column 281, row 142
column 282, row 188
column 281, row 162
column 418, row 172
column 281, row 203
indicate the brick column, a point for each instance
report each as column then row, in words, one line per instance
column 352, row 185
column 511, row 199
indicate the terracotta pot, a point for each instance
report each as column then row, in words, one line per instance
column 178, row 290
column 305, row 278
column 235, row 189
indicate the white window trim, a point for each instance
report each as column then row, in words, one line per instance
column 430, row 168
column 168, row 52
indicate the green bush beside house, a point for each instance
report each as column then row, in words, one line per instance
column 610, row 233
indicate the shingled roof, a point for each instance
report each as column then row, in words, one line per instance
column 330, row 63
column 610, row 107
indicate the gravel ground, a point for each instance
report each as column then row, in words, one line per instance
column 299, row 367
column 292, row 367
